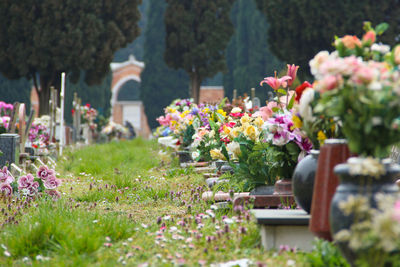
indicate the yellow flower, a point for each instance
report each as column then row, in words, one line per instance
column 185, row 113
column 259, row 121
column 206, row 110
column 321, row 137
column 226, row 129
column 222, row 112
column 235, row 132
column 245, row 119
column 216, row 154
column 251, row 132
column 297, row 121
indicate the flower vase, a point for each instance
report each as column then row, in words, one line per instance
column 356, row 185
column 333, row 152
column 303, row 180
column 184, row 156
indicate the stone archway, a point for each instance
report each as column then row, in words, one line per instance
column 132, row 111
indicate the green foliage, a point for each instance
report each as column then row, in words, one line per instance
column 197, row 33
column 56, row 227
column 251, row 167
column 325, row 254
column 159, row 83
column 136, row 47
column 43, row 39
column 312, row 24
column 248, row 56
column 15, row 90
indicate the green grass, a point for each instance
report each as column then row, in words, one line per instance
column 116, row 193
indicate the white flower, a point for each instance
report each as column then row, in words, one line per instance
column 381, row 48
column 195, row 154
column 315, row 63
column 375, row 86
column 304, row 107
column 236, row 110
column 234, row 148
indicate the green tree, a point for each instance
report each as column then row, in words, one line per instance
column 248, row 57
column 197, row 33
column 15, row 90
column 136, row 47
column 159, row 83
column 41, row 39
column 299, row 29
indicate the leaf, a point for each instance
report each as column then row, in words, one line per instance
column 291, row 102
column 275, row 109
column 281, row 91
column 381, row 28
column 220, row 117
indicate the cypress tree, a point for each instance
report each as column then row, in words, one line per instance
column 248, row 56
column 299, row 29
column 197, row 33
column 159, row 83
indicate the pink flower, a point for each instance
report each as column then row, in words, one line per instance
column 4, row 177
column 44, row 172
column 396, row 213
column 51, row 182
column 6, row 189
column 25, row 181
column 28, row 185
column 292, row 73
column 164, row 120
column 275, row 82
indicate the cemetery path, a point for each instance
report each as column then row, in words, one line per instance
column 123, row 203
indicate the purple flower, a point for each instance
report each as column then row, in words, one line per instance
column 6, row 189
column 53, row 193
column 44, row 172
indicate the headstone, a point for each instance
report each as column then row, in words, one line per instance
column 256, row 103
column 395, row 155
column 15, row 170
column 9, row 145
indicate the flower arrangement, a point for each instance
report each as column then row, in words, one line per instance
column 39, row 132
column 359, row 85
column 27, row 185
column 5, row 114
column 375, row 234
column 287, row 143
column 114, row 130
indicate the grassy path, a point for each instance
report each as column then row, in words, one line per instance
column 121, row 205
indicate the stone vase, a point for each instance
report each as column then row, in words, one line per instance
column 353, row 185
column 303, row 180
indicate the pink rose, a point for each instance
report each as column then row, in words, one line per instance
column 44, row 172
column 396, row 214
column 51, row 182
column 6, row 189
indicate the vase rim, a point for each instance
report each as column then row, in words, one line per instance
column 314, row 151
column 335, row 141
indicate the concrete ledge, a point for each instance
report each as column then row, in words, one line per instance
column 284, row 227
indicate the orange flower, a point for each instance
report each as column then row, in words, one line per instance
column 369, row 37
column 351, row 41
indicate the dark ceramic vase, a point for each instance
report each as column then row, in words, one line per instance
column 333, row 152
column 352, row 185
column 184, row 156
column 303, row 180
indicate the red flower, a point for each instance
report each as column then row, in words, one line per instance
column 300, row 89
column 237, row 115
column 88, row 105
column 73, row 111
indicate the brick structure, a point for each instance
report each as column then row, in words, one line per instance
column 211, row 94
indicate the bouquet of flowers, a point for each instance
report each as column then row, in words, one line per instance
column 359, row 84
column 28, row 185
column 114, row 130
column 5, row 114
column 39, row 133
